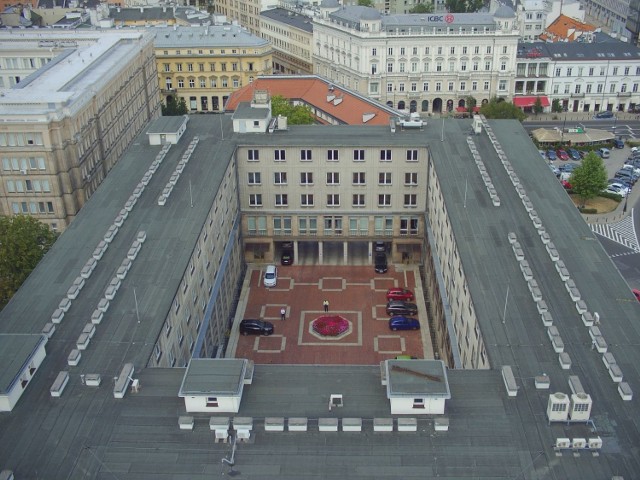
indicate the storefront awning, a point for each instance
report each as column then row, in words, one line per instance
column 523, row 102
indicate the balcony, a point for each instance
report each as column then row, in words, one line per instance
column 577, row 95
column 624, row 94
column 168, row 91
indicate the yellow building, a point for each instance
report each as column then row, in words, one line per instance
column 204, row 65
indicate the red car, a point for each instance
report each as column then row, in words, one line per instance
column 562, row 155
column 566, row 185
column 636, row 292
column 399, row 294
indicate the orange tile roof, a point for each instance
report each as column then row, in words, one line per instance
column 566, row 28
column 343, row 105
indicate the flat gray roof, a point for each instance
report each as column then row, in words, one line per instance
column 206, row 37
column 417, row 377
column 216, row 376
column 15, row 352
column 289, row 17
column 88, row 433
column 167, row 124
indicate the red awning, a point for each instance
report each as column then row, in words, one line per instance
column 530, row 101
column 461, row 109
column 476, row 109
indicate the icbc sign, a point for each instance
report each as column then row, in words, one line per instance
column 440, row 18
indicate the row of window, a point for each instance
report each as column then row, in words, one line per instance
column 333, row 200
column 20, row 139
column 235, row 67
column 413, row 87
column 453, row 50
column 333, row 224
column 202, row 82
column 233, row 51
column 21, row 186
column 23, row 164
column 33, row 208
column 332, row 155
column 600, row 88
column 579, row 71
column 332, row 178
column 439, row 67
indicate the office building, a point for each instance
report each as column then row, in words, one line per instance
column 291, row 35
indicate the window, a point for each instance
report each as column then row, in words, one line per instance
column 502, row 85
column 615, row 70
column 192, row 83
column 409, row 225
column 305, row 155
column 167, row 328
column 306, row 178
column 212, row 402
column 333, row 200
column 332, row 155
column 487, row 65
column 384, row 200
column 474, row 86
column 418, row 403
column 438, row 86
column 333, row 178
column 179, row 67
column 333, row 225
column 280, row 178
column 157, row 352
column 358, row 200
column 385, row 155
column 281, row 200
column 486, row 86
column 503, row 66
column 374, row 52
column 450, row 86
column 254, row 178
column 306, row 200
column 411, row 200
column 358, row 155
column 359, row 178
column 411, row 178
column 255, row 200
column 279, row 155
column 425, row 87
column 384, row 178
column 253, row 155
column 577, row 88
column 166, row 67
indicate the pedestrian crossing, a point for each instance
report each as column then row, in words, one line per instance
column 622, row 232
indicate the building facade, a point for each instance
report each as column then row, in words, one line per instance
column 204, row 65
column 422, row 63
column 246, row 13
column 67, row 124
column 291, row 35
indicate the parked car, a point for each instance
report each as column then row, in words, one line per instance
column 270, row 276
column 621, row 186
column 631, row 168
column 381, row 262
column 554, row 169
column 627, row 175
column 380, row 246
column 542, row 154
column 636, row 292
column 398, row 307
column 286, row 257
column 615, row 191
column 574, row 154
column 604, row 114
column 604, row 152
column 551, row 154
column 562, row 155
column 568, row 167
column 584, row 153
column 618, row 143
column 399, row 294
column 255, row 327
column 566, row 184
column 404, row 323
column 621, row 181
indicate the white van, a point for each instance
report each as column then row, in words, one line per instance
column 604, row 152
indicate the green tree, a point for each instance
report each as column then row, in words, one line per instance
column 556, row 106
column 422, row 8
column 296, row 114
column 365, row 3
column 463, row 6
column 470, row 103
column 590, row 178
column 173, row 108
column 537, row 107
column 23, row 242
column 498, row 108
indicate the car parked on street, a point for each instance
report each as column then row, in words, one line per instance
column 380, row 264
column 403, row 294
column 286, row 257
column 574, row 154
column 398, row 307
column 255, row 327
column 554, row 169
column 627, row 175
column 618, row 143
column 270, row 276
column 615, row 191
column 604, row 114
column 551, row 154
column 566, row 184
column 562, row 155
column 403, row 323
column 568, row 167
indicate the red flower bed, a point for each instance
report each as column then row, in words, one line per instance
column 330, row 326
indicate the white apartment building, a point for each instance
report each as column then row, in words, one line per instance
column 534, row 16
column 427, row 63
column 291, row 35
column 65, row 125
column 583, row 77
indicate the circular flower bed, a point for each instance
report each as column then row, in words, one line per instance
column 330, row 326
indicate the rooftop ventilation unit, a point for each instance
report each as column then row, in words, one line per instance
column 580, row 410
column 558, row 407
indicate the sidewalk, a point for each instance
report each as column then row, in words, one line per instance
column 580, row 117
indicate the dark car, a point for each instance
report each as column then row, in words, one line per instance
column 380, row 246
column 562, row 155
column 626, row 175
column 399, row 294
column 286, row 257
column 255, row 327
column 397, row 307
column 618, row 143
column 568, row 167
column 604, row 114
column 404, row 323
column 574, row 154
column 552, row 155
column 381, row 262
column 583, row 153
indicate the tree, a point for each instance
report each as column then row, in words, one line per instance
column 365, row 3
column 463, row 6
column 498, row 108
column 556, row 106
column 296, row 114
column 471, row 103
column 590, row 178
column 23, row 242
column 422, row 8
column 537, row 107
column 173, row 108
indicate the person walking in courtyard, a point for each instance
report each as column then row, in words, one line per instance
column 325, row 304
column 282, row 313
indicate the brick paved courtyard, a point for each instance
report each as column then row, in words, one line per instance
column 354, row 292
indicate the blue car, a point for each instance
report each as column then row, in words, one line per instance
column 404, row 323
column 574, row 154
column 551, row 154
column 604, row 114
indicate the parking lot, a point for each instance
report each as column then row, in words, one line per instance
column 355, row 293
